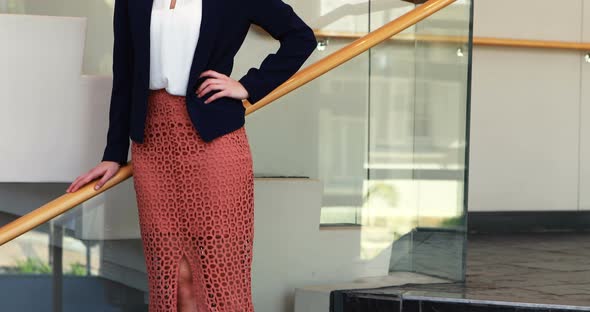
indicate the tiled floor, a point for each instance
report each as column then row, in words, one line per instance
column 542, row 268
column 536, row 272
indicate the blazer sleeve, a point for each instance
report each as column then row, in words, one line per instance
column 297, row 42
column 117, row 145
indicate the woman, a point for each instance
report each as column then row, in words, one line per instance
column 172, row 95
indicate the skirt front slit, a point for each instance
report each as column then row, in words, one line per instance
column 195, row 199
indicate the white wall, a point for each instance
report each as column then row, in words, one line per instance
column 54, row 119
column 530, row 118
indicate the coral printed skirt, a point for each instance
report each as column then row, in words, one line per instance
column 195, row 200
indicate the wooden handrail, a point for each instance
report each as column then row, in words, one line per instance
column 68, row 201
column 59, row 206
column 482, row 41
column 543, row 44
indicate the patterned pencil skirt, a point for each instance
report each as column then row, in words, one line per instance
column 195, row 199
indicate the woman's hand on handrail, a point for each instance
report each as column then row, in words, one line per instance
column 105, row 169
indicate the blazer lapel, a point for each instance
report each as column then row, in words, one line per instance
column 209, row 26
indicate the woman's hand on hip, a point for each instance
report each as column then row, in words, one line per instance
column 105, row 169
column 226, row 86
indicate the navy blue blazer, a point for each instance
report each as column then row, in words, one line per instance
column 224, row 26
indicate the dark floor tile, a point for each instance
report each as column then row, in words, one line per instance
column 427, row 306
column 349, row 301
column 410, row 306
column 543, row 270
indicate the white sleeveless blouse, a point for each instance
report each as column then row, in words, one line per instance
column 173, row 39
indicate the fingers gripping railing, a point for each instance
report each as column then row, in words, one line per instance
column 68, row 201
